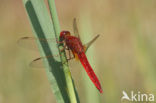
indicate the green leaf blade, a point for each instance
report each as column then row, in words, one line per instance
column 43, row 28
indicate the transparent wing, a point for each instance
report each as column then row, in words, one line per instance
column 75, row 29
column 76, row 33
column 38, row 62
column 30, row 42
column 86, row 46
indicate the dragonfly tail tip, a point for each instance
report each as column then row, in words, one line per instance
column 101, row 91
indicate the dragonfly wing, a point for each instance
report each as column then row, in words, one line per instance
column 75, row 29
column 30, row 42
column 38, row 62
column 76, row 33
column 86, row 46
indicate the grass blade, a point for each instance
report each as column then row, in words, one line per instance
column 60, row 79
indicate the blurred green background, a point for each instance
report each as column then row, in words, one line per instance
column 123, row 57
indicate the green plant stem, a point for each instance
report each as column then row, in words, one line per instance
column 70, row 86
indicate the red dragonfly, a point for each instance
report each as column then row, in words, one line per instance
column 74, row 44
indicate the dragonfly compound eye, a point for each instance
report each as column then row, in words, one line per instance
column 63, row 34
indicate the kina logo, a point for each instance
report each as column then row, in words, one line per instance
column 140, row 97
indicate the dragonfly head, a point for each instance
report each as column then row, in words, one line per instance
column 63, row 34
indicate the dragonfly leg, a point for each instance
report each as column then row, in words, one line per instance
column 64, row 47
column 69, row 52
column 60, row 42
column 70, row 57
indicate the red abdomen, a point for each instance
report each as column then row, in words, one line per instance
column 89, row 70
